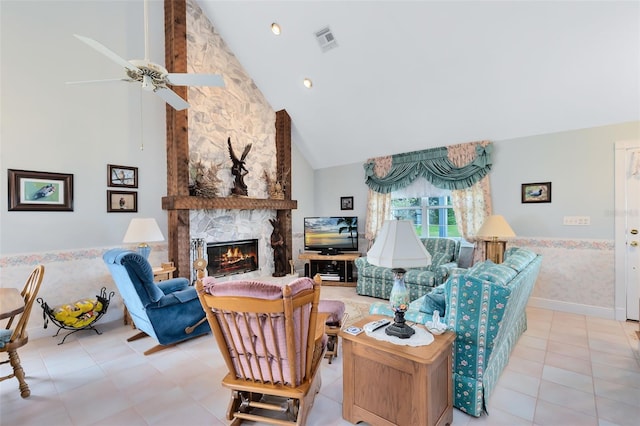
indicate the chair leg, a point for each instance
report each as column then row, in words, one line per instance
column 332, row 342
column 14, row 359
column 158, row 348
column 137, row 336
column 307, row 401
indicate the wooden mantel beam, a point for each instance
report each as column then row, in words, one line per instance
column 175, row 30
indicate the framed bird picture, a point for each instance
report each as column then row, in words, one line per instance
column 40, row 191
column 122, row 202
column 122, row 176
column 536, row 192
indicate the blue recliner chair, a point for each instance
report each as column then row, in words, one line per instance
column 168, row 311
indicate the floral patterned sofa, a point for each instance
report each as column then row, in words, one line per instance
column 377, row 281
column 485, row 306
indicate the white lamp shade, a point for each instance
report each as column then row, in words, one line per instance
column 398, row 246
column 143, row 230
column 495, row 227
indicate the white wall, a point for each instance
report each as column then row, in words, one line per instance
column 49, row 126
column 579, row 164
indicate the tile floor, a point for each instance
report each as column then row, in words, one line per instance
column 566, row 369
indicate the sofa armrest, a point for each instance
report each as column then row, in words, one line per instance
column 361, row 262
column 442, row 272
column 475, row 309
column 173, row 284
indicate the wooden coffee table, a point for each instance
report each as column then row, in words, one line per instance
column 389, row 384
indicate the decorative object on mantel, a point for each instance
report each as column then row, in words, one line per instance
column 203, row 181
column 274, row 187
column 79, row 315
column 397, row 246
column 279, row 249
column 238, row 170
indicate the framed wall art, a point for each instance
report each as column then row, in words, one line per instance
column 40, row 191
column 346, row 203
column 122, row 201
column 536, row 192
column 122, row 176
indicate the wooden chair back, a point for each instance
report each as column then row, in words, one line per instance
column 266, row 332
column 29, row 293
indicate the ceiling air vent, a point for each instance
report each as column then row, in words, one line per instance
column 326, row 39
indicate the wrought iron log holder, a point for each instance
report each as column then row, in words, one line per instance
column 49, row 314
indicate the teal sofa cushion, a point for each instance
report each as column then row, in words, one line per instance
column 518, row 258
column 489, row 271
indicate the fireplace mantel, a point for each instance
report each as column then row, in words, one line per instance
column 181, row 202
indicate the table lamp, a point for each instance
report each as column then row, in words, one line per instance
column 143, row 231
column 494, row 230
column 397, row 246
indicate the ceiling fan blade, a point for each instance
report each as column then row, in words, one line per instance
column 182, row 79
column 110, row 80
column 171, row 98
column 108, row 53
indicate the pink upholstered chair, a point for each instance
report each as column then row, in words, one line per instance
column 272, row 341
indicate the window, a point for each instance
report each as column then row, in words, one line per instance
column 431, row 216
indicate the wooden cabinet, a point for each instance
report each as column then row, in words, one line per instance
column 337, row 269
column 389, row 384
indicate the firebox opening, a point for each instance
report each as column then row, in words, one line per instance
column 232, row 257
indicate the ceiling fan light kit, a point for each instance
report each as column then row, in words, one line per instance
column 151, row 76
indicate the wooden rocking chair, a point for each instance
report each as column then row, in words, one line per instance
column 273, row 341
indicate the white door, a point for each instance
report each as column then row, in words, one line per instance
column 627, row 224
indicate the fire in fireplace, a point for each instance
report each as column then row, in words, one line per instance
column 232, row 257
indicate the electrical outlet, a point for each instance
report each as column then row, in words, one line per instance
column 576, row 220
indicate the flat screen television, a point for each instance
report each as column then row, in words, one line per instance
column 331, row 234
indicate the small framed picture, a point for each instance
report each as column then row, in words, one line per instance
column 346, row 203
column 122, row 201
column 122, row 176
column 40, row 191
column 536, row 192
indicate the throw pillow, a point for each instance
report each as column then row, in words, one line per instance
column 519, row 259
column 434, row 301
column 498, row 274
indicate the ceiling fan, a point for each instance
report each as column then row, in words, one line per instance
column 153, row 77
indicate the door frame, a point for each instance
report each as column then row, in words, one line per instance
column 620, row 295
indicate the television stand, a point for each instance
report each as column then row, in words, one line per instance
column 335, row 270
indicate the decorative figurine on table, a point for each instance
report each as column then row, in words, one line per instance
column 238, row 170
column 279, row 252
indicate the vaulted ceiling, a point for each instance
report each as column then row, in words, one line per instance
column 411, row 75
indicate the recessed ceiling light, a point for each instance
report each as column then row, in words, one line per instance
column 307, row 83
column 275, row 28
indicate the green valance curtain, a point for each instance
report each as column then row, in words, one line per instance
column 432, row 164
